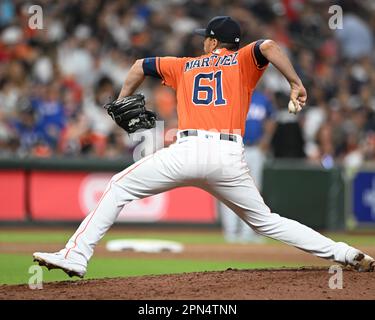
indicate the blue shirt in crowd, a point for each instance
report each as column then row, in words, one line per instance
column 261, row 109
column 51, row 119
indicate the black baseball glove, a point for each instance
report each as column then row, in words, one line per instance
column 130, row 113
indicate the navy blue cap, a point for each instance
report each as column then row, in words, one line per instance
column 222, row 28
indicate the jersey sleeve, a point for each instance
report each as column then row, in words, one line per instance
column 253, row 63
column 168, row 69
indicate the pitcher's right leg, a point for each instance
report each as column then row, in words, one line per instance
column 144, row 178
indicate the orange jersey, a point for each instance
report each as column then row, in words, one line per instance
column 213, row 90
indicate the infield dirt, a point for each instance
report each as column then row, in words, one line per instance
column 304, row 283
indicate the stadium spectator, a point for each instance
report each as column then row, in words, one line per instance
column 68, row 70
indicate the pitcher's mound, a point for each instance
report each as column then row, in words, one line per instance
column 303, row 283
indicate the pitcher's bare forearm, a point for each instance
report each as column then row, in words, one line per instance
column 273, row 53
column 271, row 50
column 133, row 80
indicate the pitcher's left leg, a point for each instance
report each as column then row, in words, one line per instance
column 242, row 196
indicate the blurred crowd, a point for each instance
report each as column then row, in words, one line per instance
column 55, row 80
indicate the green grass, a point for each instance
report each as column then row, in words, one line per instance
column 183, row 237
column 63, row 236
column 353, row 239
column 14, row 268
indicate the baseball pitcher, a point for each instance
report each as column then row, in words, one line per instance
column 213, row 94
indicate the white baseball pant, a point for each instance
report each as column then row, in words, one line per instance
column 204, row 161
column 235, row 229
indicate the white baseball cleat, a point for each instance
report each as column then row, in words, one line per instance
column 58, row 261
column 362, row 262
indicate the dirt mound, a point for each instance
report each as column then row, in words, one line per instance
column 304, row 283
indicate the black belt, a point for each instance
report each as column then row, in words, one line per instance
column 223, row 136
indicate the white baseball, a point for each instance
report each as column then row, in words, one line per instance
column 294, row 108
